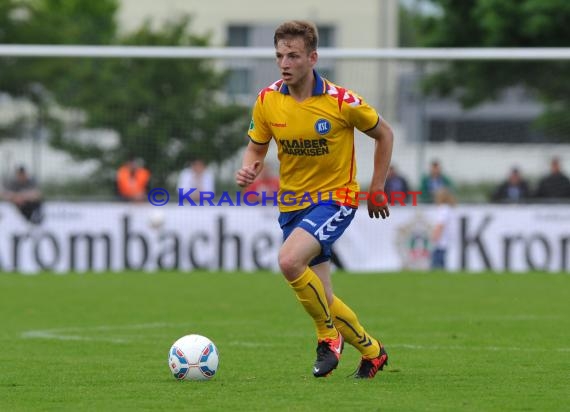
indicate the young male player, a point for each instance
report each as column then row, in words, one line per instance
column 312, row 121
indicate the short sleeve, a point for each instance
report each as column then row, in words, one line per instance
column 362, row 116
column 258, row 131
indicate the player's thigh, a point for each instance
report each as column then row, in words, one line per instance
column 299, row 249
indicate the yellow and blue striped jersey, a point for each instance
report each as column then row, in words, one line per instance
column 315, row 140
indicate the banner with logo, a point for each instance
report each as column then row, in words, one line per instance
column 79, row 237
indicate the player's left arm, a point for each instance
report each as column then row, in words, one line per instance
column 384, row 140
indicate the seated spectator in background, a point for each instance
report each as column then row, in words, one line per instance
column 555, row 185
column 444, row 227
column 266, row 182
column 396, row 183
column 433, row 181
column 133, row 180
column 24, row 193
column 196, row 176
column 513, row 190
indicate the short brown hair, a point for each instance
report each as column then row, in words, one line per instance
column 298, row 28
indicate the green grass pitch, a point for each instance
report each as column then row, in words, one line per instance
column 457, row 342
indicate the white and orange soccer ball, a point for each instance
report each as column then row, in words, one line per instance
column 194, row 358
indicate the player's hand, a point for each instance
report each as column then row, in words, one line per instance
column 247, row 174
column 379, row 206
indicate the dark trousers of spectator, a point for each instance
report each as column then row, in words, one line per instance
column 438, row 259
column 32, row 211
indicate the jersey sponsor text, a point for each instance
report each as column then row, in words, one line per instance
column 305, row 147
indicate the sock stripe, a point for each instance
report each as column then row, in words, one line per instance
column 328, row 322
column 350, row 326
column 354, row 333
column 364, row 340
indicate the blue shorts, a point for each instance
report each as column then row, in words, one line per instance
column 326, row 222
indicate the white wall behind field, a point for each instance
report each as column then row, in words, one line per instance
column 466, row 162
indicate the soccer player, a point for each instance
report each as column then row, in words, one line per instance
column 312, row 121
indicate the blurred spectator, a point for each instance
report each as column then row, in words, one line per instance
column 433, row 181
column 25, row 194
column 196, row 176
column 555, row 185
column 443, row 231
column 396, row 183
column 266, row 182
column 133, row 180
column 513, row 190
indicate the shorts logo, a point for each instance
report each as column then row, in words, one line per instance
column 323, row 126
column 310, row 222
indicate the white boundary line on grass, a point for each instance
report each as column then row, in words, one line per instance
column 476, row 348
column 56, row 334
column 74, row 334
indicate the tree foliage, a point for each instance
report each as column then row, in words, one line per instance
column 499, row 23
column 164, row 111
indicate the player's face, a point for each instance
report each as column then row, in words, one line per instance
column 294, row 62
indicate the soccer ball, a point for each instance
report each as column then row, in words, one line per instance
column 194, row 358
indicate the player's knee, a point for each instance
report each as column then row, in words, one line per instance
column 290, row 265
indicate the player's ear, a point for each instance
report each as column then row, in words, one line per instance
column 313, row 57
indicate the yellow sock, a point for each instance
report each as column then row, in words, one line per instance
column 352, row 331
column 311, row 294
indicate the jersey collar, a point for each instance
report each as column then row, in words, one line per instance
column 317, row 90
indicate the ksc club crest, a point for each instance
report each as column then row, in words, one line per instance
column 413, row 243
column 323, row 126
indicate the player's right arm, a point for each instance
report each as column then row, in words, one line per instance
column 259, row 137
column 252, row 163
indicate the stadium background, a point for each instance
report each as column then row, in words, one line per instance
column 73, row 132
